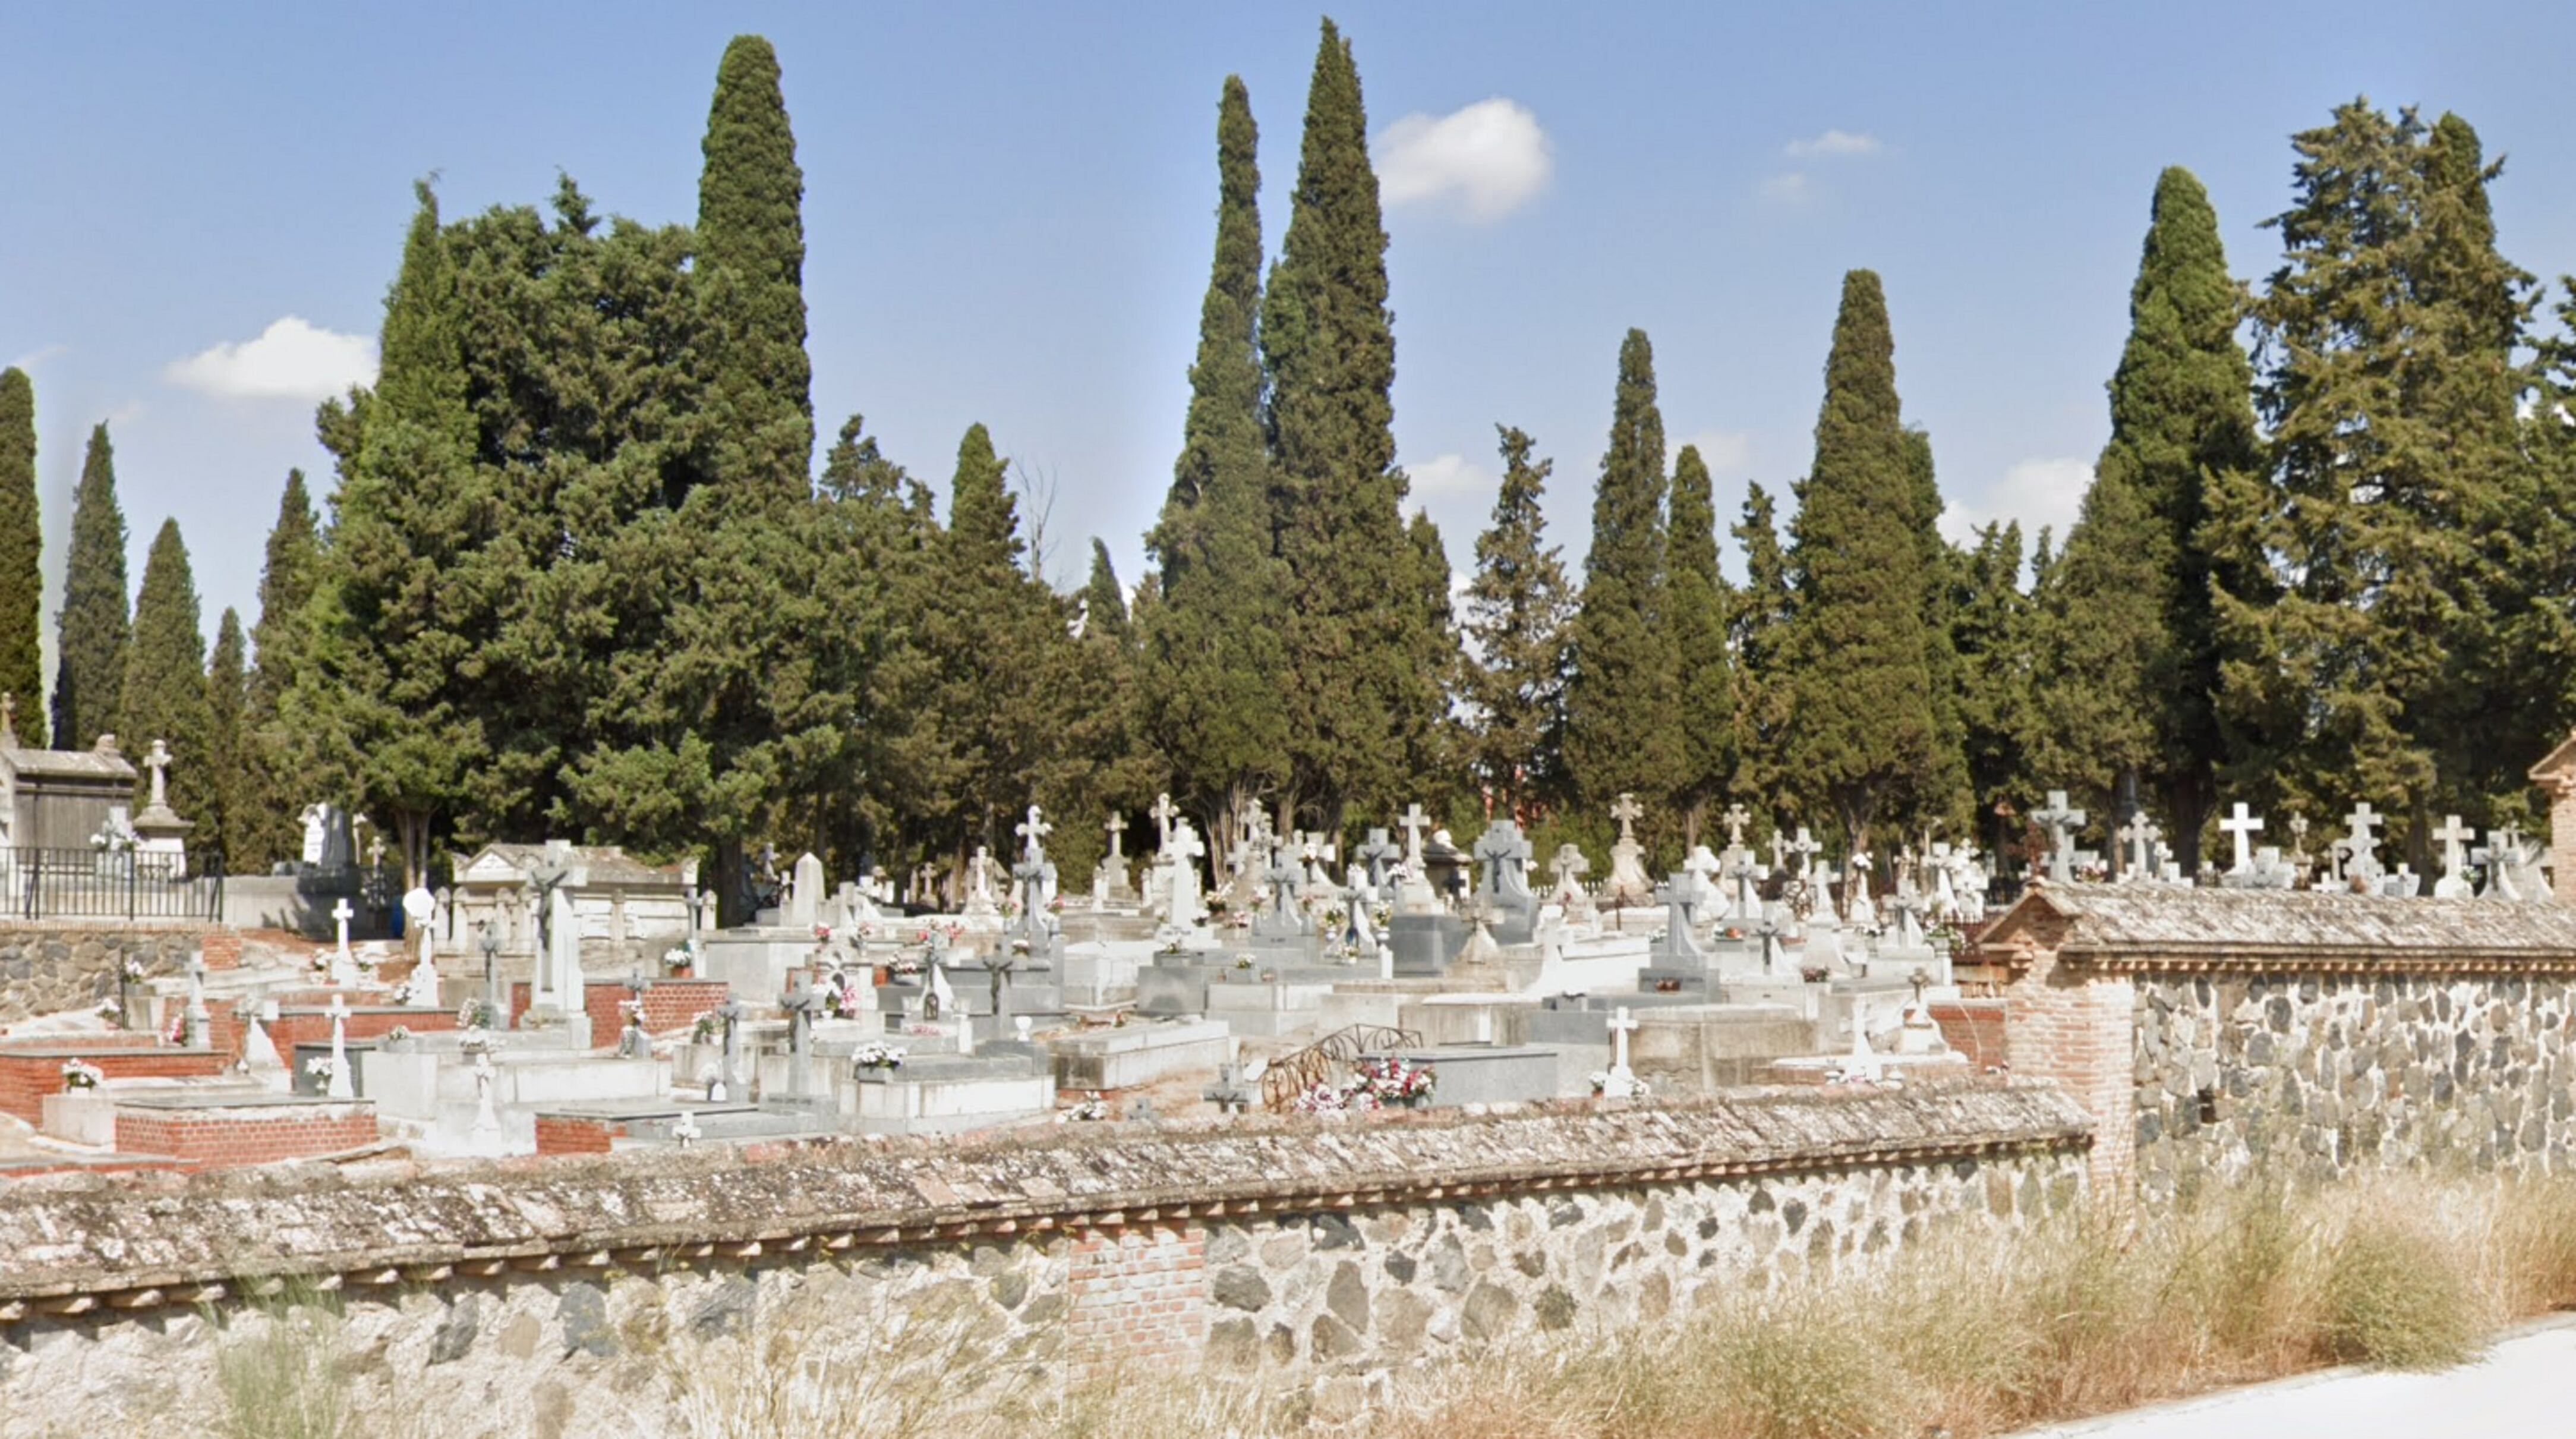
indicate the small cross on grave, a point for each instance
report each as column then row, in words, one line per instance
column 1621, row 1081
column 729, row 1017
column 2360, row 847
column 1034, row 831
column 2061, row 820
column 1735, row 818
column 1804, row 847
column 1229, row 1094
column 2243, row 824
column 1415, row 821
column 800, row 1004
column 1379, row 853
column 157, row 759
column 1626, row 810
column 1117, row 827
column 198, row 1018
column 1569, row 867
column 489, row 942
column 1164, row 813
column 1779, row 852
column 2138, row 839
column 2454, row 838
column 340, row 1087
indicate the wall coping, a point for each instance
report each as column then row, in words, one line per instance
column 71, row 1243
column 2124, row 927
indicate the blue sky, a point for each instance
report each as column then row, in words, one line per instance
column 1008, row 214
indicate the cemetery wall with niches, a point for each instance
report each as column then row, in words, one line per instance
column 54, row 965
column 2322, row 1072
column 588, row 1293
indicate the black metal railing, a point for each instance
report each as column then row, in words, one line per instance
column 112, row 884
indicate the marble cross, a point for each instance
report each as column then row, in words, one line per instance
column 1164, row 813
column 1415, row 821
column 2243, row 824
column 1626, row 811
column 2061, row 820
column 1735, row 819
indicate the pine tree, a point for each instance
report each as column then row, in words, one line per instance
column 2132, row 671
column 1697, row 607
column 1355, row 638
column 1517, row 608
column 89, row 650
column 2364, row 591
column 1622, row 701
column 1213, row 657
column 751, row 266
column 165, row 679
column 22, row 545
column 234, row 779
column 1864, row 728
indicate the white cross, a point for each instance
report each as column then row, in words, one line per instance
column 1034, row 829
column 1626, row 812
column 1164, row 813
column 1414, row 822
column 2244, row 826
column 340, row 1088
column 2360, row 847
column 2140, row 835
column 1735, row 818
column 341, row 914
column 158, row 761
column 2453, row 835
column 1117, row 827
column 1804, row 846
column 1621, row 1022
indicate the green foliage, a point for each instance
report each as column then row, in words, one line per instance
column 1995, row 633
column 1698, row 607
column 89, row 648
column 165, row 678
column 1759, row 635
column 22, row 544
column 1622, row 708
column 266, row 827
column 1865, row 730
column 1213, row 659
column 2368, row 586
column 2395, row 1300
column 1516, row 613
column 1358, row 648
column 232, row 788
column 751, row 267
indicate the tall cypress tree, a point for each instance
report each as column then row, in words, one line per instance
column 1516, row 612
column 1212, row 651
column 233, row 788
column 751, row 273
column 2130, row 673
column 1760, row 636
column 1622, row 701
column 1354, row 635
column 89, row 649
column 22, row 547
column 1864, row 725
column 265, row 829
column 1104, row 603
column 1697, row 603
column 165, row 677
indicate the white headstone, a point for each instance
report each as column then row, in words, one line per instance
column 340, row 1087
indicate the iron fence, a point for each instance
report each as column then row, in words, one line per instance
column 112, row 884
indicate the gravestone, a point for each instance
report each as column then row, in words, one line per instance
column 1570, row 867
column 2359, row 849
column 2454, row 838
column 1110, row 884
column 1505, row 855
column 805, row 894
column 1182, row 852
column 2061, row 820
column 1628, row 883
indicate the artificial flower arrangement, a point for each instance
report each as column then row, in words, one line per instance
column 321, row 1068
column 81, row 1074
column 1378, row 1084
column 704, row 1031
column 1088, row 1111
column 477, row 1014
column 876, row 1054
column 1601, row 1084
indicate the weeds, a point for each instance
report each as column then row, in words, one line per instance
column 278, row 1373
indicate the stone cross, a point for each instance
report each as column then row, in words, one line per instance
column 1034, row 829
column 1626, row 811
column 2242, row 824
column 2299, row 839
column 198, row 1019
column 2454, row 837
column 341, row 914
column 1117, row 827
column 800, row 1004
column 1186, row 851
column 490, row 943
column 339, row 1012
column 2061, row 820
column 1569, row 867
column 1735, row 819
column 2139, row 838
column 1284, row 875
column 1621, row 1082
column 1164, row 813
column 1504, row 854
column 1414, row 823
column 1378, row 852
column 157, row 759
column 2360, row 847
column 1804, row 847
column 729, row 1014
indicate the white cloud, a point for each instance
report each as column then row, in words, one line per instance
column 1789, row 187
column 1484, row 161
column 1833, row 142
column 2037, row 492
column 1725, row 452
column 1450, row 477
column 290, row 360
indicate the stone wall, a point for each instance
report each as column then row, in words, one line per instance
column 2329, row 1071
column 566, row 1296
column 45, row 968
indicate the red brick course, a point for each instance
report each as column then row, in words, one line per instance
column 28, row 1075
column 558, row 1134
column 2077, row 1026
column 226, row 1139
column 1975, row 1028
column 1139, row 1294
column 303, row 1025
column 669, row 1004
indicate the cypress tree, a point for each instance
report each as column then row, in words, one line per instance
column 1863, row 726
column 1622, row 705
column 1996, row 633
column 1517, row 608
column 286, row 578
column 22, row 546
column 751, row 268
column 1697, row 603
column 89, row 649
column 2365, row 588
column 1940, row 794
column 1213, row 658
column 1104, row 604
column 1354, row 635
column 2131, row 671
column 234, row 787
column 165, row 678
column 1759, row 636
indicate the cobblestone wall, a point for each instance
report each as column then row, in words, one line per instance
column 2324, row 1072
column 46, row 968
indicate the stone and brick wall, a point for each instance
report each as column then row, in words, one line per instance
column 49, row 967
column 32, row 1069
column 1309, row 1252
column 218, row 1138
column 669, row 1004
column 1975, row 1028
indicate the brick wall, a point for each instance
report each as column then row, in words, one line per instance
column 221, row 948
column 560, row 1134
column 2074, row 1025
column 1975, row 1028
column 28, row 1075
column 229, row 1138
column 669, row 1004
column 1139, row 1294
column 303, row 1025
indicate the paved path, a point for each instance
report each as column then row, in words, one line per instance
column 2526, row 1385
